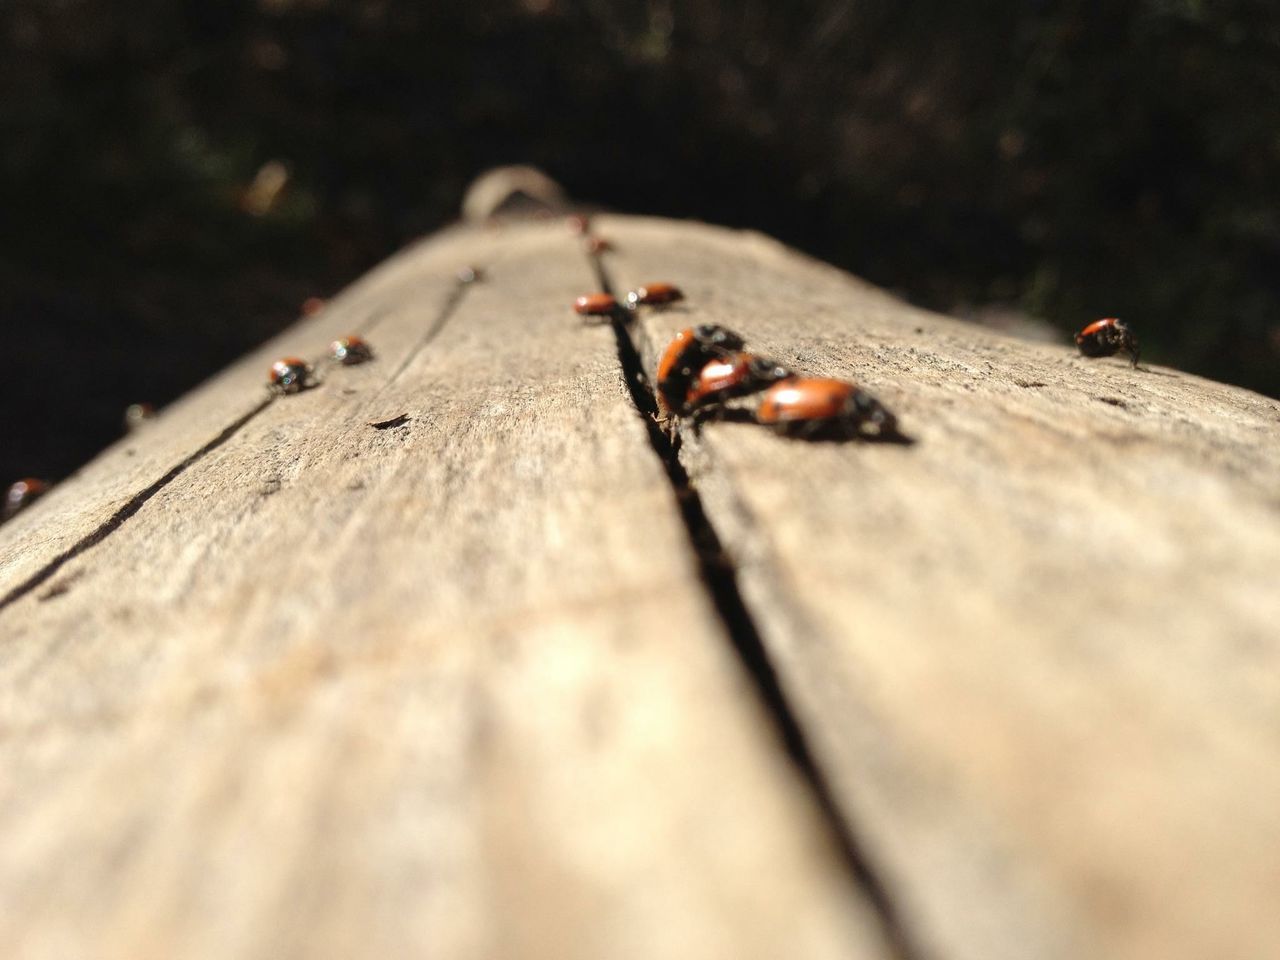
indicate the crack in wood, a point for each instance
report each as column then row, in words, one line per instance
column 720, row 578
column 130, row 507
column 447, row 310
column 139, row 499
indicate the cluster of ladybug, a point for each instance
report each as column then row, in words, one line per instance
column 293, row 374
column 701, row 371
column 705, row 368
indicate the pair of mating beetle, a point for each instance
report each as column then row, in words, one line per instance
column 705, row 367
column 293, row 374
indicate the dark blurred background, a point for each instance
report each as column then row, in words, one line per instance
column 176, row 176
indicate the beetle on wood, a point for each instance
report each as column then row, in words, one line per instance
column 690, row 351
column 813, row 406
column 1106, row 338
column 21, row 495
column 350, row 350
column 654, row 294
column 595, row 305
column 290, row 375
column 729, row 377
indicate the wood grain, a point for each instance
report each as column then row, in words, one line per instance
column 445, row 688
column 1037, row 653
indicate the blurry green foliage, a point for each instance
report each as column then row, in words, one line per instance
column 1073, row 158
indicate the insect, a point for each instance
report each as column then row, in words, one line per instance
column 595, row 305
column 290, row 375
column 686, row 355
column 136, row 414
column 21, row 495
column 653, row 294
column 1107, row 337
column 812, row 407
column 350, row 350
column 726, row 378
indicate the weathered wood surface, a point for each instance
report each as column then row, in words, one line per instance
column 445, row 689
column 456, row 688
column 1037, row 652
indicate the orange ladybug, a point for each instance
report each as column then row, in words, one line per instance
column 290, row 375
column 595, row 305
column 686, row 355
column 1106, row 338
column 735, row 375
column 814, row 406
column 654, row 294
column 21, row 495
column 350, row 350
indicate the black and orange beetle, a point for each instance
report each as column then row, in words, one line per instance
column 21, row 495
column 350, row 350
column 654, row 294
column 815, row 406
column 729, row 377
column 1106, row 338
column 290, row 375
column 686, row 355
column 595, row 305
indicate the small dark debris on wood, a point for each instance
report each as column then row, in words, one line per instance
column 61, row 587
column 393, row 422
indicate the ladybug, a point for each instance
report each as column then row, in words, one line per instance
column 735, row 375
column 654, row 294
column 811, row 407
column 1107, row 337
column 690, row 351
column 595, row 305
column 21, row 495
column 290, row 375
column 136, row 414
column 350, row 350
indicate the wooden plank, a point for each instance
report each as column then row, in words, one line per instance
column 1037, row 653
column 106, row 486
column 449, row 688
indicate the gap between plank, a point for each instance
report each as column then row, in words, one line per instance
column 132, row 506
column 139, row 499
column 721, row 582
